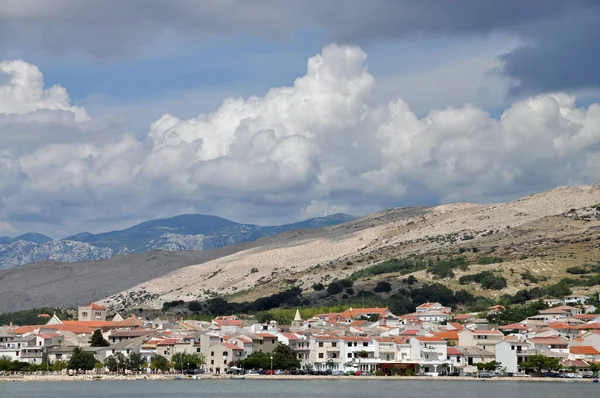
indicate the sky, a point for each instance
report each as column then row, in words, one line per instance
column 272, row 111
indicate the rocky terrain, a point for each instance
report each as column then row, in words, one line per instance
column 544, row 233
column 185, row 232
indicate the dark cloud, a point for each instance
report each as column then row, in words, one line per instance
column 560, row 37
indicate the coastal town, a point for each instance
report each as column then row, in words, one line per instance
column 560, row 341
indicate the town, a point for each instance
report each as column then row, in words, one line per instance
column 560, row 341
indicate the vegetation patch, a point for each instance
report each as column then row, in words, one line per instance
column 486, row 279
column 489, row 260
column 400, row 266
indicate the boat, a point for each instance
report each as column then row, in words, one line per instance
column 238, row 377
column 595, row 381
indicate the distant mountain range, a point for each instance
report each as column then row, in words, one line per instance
column 184, row 232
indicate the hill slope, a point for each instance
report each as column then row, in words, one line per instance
column 529, row 232
column 184, row 232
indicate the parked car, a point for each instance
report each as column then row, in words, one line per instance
column 280, row 372
column 485, row 375
column 338, row 373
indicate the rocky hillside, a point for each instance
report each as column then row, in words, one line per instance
column 545, row 233
column 185, row 232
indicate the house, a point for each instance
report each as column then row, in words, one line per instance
column 496, row 309
column 429, row 352
column 552, row 302
column 325, row 353
column 453, row 358
column 484, row 339
column 506, row 355
column 451, row 336
column 465, row 318
column 472, row 355
column 92, row 312
column 433, row 307
column 222, row 355
column 359, row 353
column 365, row 313
column 587, row 353
column 576, row 299
column 554, row 344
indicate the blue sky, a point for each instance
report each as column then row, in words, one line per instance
column 124, row 65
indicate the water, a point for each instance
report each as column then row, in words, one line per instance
column 297, row 388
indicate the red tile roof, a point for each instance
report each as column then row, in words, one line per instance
column 583, row 350
column 588, row 326
column 95, row 306
column 453, row 351
column 168, row 342
column 447, row 335
column 430, row 339
column 232, row 346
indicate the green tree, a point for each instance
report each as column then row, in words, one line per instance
column 160, row 363
column 98, row 340
column 116, row 362
column 135, row 362
column 285, row 358
column 257, row 360
column 539, row 363
column 59, row 365
column 81, row 360
column 182, row 360
column 594, row 368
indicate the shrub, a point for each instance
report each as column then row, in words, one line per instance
column 318, row 286
column 487, row 280
column 528, row 276
column 577, row 270
column 346, row 282
column 444, row 268
column 382, row 286
column 489, row 260
column 411, row 280
column 335, row 288
column 401, row 266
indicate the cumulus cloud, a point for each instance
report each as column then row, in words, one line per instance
column 312, row 148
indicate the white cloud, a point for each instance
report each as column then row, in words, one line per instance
column 313, row 148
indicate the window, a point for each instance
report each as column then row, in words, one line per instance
column 355, row 344
column 334, row 344
column 197, row 349
column 365, row 344
column 225, row 362
column 84, row 314
column 349, row 344
column 320, row 344
column 261, row 342
column 225, row 353
column 273, row 341
column 212, row 353
column 212, row 361
column 320, row 355
column 333, row 355
column 349, row 355
column 98, row 314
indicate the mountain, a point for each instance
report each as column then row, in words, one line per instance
column 539, row 240
column 544, row 234
column 184, row 232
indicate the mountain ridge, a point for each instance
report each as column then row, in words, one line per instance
column 182, row 232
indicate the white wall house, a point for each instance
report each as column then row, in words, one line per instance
column 429, row 352
column 506, row 354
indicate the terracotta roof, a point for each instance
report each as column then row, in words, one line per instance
column 168, row 342
column 266, row 335
column 130, row 333
column 447, row 335
column 290, row 336
column 44, row 316
column 586, row 316
column 579, row 363
column 456, row 325
column 453, row 351
column 232, row 346
column 351, row 312
column 549, row 340
column 428, row 305
column 95, row 306
column 430, row 339
column 514, row 326
column 588, row 326
column 409, row 332
column 560, row 325
column 583, row 350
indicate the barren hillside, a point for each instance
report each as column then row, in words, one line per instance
column 535, row 232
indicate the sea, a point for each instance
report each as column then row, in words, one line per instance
column 350, row 388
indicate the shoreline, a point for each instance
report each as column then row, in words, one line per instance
column 173, row 377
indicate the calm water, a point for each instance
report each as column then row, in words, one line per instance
column 297, row 388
